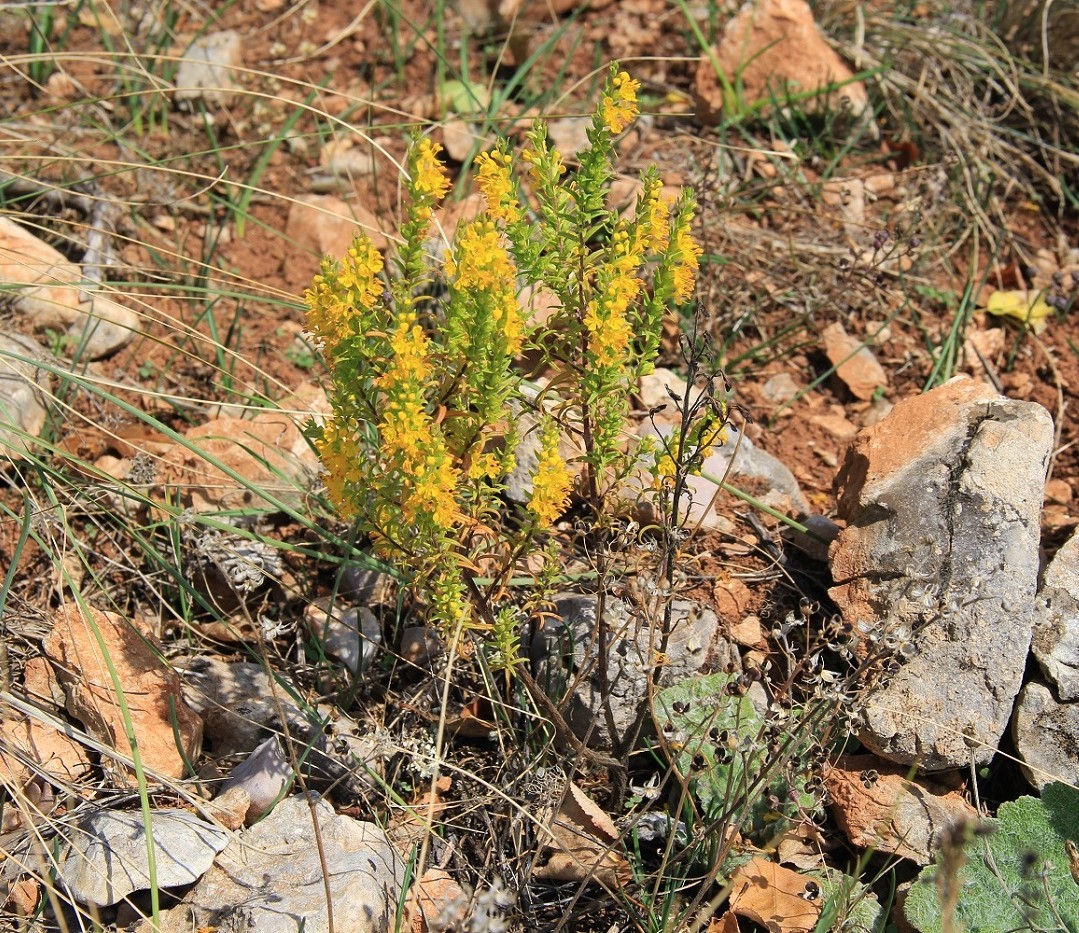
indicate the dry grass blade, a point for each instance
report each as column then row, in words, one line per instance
column 1004, row 124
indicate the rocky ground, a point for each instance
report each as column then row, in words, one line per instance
column 871, row 646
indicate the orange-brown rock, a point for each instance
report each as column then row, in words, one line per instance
column 106, row 664
column 773, row 48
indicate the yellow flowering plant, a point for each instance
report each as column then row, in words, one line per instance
column 427, row 394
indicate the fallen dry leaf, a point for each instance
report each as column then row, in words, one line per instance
column 728, row 923
column 23, row 898
column 474, row 721
column 581, row 844
column 780, row 900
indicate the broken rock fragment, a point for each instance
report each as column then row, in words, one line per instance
column 773, row 49
column 879, row 807
column 107, row 859
column 110, row 672
column 1056, row 621
column 855, row 364
column 942, row 501
column 1046, row 734
column 24, row 390
column 52, row 295
column 271, row 877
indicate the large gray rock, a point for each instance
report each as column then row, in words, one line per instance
column 107, row 859
column 1056, row 622
column 1046, row 734
column 270, row 878
column 565, row 659
column 942, row 501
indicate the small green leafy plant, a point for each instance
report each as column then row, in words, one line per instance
column 427, row 393
column 1019, row 871
column 720, row 745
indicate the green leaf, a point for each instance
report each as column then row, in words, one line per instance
column 721, row 748
column 1016, row 878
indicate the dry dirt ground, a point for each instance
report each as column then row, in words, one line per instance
column 223, row 320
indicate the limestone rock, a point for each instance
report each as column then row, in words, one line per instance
column 101, row 327
column 1046, row 734
column 107, row 859
column 260, row 779
column 351, row 636
column 942, row 501
column 23, row 394
column 774, row 48
column 32, row 748
column 1056, row 622
column 570, row 134
column 270, row 879
column 78, row 645
column 207, row 69
column 458, row 137
column 326, row 225
column 231, row 464
column 664, row 389
column 780, row 389
column 602, row 717
column 43, row 280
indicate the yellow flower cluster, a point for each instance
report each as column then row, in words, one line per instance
column 429, row 178
column 339, row 451
column 619, row 107
column 685, row 271
column 656, row 217
column 432, row 496
column 410, row 354
column 481, row 261
column 493, row 179
column 551, row 483
column 339, row 296
column 606, row 317
column 700, row 444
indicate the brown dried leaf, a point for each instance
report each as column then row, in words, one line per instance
column 728, row 923
column 777, row 898
column 582, row 844
column 474, row 721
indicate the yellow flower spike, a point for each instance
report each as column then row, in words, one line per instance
column 429, row 178
column 656, row 213
column 551, row 483
column 480, row 259
column 410, row 361
column 360, row 270
column 618, row 108
column 340, row 454
column 685, row 271
column 493, row 179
